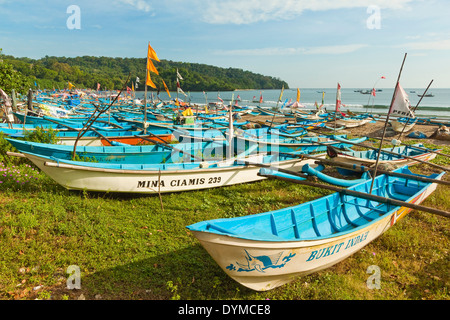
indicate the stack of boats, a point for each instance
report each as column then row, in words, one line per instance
column 126, row 150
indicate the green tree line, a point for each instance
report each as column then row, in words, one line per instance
column 87, row 71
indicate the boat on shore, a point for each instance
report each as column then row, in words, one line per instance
column 403, row 124
column 157, row 178
column 264, row 251
column 155, row 153
column 392, row 157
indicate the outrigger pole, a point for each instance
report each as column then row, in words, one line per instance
column 385, row 124
column 362, row 195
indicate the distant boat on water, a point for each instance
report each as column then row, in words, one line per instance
column 426, row 95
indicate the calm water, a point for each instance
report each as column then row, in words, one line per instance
column 437, row 106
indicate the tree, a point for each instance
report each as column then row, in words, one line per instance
column 12, row 79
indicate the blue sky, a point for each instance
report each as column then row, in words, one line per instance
column 308, row 43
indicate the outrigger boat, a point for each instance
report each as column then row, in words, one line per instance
column 266, row 250
column 395, row 156
column 160, row 177
column 278, row 141
column 403, row 124
column 156, row 153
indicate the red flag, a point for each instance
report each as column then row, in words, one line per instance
column 383, row 77
column 98, row 86
column 373, row 92
column 261, row 98
column 338, row 98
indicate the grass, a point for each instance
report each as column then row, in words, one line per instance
column 127, row 247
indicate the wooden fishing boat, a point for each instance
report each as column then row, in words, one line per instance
column 105, row 138
column 352, row 122
column 156, row 153
column 394, row 157
column 398, row 125
column 266, row 250
column 159, row 177
column 278, row 141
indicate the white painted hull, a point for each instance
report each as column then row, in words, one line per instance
column 398, row 126
column 243, row 261
column 154, row 181
column 350, row 123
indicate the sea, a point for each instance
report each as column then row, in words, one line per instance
column 355, row 99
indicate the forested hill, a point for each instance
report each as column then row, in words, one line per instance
column 87, row 71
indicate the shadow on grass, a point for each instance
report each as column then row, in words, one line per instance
column 186, row 274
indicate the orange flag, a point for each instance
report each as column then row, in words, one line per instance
column 149, row 81
column 151, row 54
column 165, row 87
column 151, row 67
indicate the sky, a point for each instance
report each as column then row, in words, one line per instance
column 307, row 43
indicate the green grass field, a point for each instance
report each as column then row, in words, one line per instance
column 129, row 247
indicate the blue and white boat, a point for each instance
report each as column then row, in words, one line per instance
column 156, row 153
column 266, row 250
column 151, row 178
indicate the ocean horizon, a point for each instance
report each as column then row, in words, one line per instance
column 437, row 105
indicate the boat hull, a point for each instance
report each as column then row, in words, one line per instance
column 131, row 140
column 265, row 265
column 102, row 179
column 348, row 159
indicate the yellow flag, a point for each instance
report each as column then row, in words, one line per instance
column 298, row 95
column 281, row 94
column 132, row 86
column 151, row 67
column 149, row 81
column 165, row 87
column 151, row 54
column 188, row 112
column 71, row 86
column 206, row 110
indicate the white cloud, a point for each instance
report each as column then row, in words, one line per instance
column 140, row 5
column 251, row 11
column 338, row 49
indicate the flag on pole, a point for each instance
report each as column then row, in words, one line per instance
column 132, row 86
column 98, row 86
column 128, row 89
column 373, row 92
column 179, row 88
column 401, row 105
column 338, row 98
column 70, row 85
column 179, row 75
column 281, row 93
column 188, row 112
column 323, row 96
column 149, row 81
column 298, row 95
column 165, row 87
column 261, row 98
column 151, row 67
column 151, row 54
